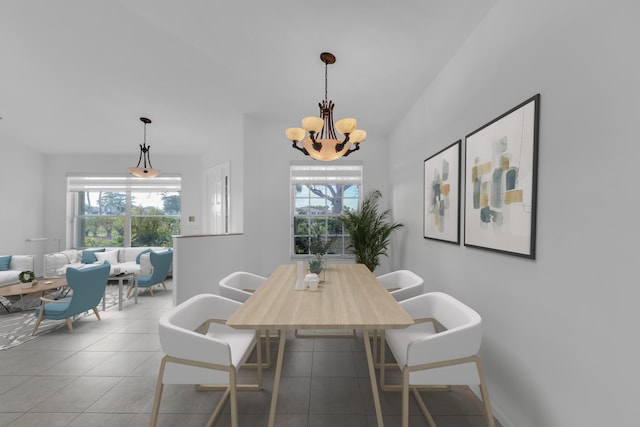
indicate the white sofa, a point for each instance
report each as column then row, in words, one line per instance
column 18, row 264
column 123, row 260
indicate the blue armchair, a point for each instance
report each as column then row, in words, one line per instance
column 88, row 285
column 161, row 262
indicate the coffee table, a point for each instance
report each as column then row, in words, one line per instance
column 43, row 285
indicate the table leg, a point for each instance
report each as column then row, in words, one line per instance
column 372, row 375
column 276, row 378
column 120, row 285
column 135, row 290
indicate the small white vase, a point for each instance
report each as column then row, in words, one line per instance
column 300, row 285
column 26, row 285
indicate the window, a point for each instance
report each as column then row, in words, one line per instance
column 124, row 210
column 320, row 194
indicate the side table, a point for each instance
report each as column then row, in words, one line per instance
column 121, row 278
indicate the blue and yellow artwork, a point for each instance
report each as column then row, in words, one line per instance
column 501, row 182
column 442, row 195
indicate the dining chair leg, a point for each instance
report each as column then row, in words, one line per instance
column 221, row 404
column 95, row 310
column 234, row 397
column 267, row 335
column 374, row 340
column 69, row 326
column 382, row 364
column 379, row 349
column 267, row 363
column 158, row 394
column 423, row 407
column 484, row 394
column 259, row 356
column 405, row 397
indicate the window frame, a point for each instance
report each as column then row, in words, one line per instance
column 82, row 183
column 322, row 174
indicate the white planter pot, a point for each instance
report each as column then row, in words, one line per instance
column 26, row 285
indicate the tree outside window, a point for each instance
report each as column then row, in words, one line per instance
column 315, row 219
column 102, row 219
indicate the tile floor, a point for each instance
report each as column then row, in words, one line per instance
column 105, row 372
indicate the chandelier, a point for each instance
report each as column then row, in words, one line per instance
column 144, row 172
column 322, row 143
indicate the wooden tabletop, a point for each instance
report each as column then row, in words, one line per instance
column 350, row 298
column 42, row 285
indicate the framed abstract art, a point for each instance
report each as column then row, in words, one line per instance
column 501, row 182
column 442, row 195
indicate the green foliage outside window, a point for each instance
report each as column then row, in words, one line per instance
column 101, row 219
column 147, row 231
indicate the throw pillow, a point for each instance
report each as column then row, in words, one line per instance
column 4, row 262
column 145, row 264
column 89, row 255
column 109, row 256
column 73, row 255
column 77, row 256
column 140, row 254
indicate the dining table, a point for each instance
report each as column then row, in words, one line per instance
column 349, row 298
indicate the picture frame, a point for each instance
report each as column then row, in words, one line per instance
column 441, row 215
column 501, row 171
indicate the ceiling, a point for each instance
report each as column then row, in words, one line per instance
column 77, row 75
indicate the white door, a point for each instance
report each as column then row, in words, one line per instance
column 217, row 207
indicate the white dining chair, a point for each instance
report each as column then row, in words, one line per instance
column 239, row 286
column 201, row 350
column 440, row 349
column 402, row 285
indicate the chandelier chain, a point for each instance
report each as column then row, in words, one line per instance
column 326, row 80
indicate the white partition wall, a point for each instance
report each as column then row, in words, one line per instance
column 200, row 261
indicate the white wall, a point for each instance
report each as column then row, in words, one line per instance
column 560, row 344
column 200, row 262
column 267, row 154
column 21, row 201
column 57, row 167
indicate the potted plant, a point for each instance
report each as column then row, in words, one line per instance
column 27, row 279
column 318, row 248
column 369, row 230
column 315, row 265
